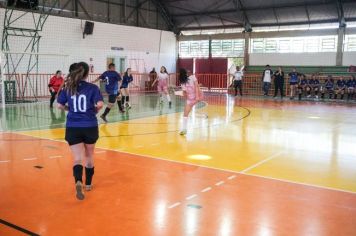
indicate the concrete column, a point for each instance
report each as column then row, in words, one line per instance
column 340, row 44
column 246, row 52
column 210, row 49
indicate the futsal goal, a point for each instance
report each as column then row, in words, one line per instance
column 24, row 76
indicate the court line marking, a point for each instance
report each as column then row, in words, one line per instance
column 231, row 177
column 207, row 167
column 174, row 205
column 4, row 161
column 262, row 161
column 191, row 197
column 52, row 157
column 206, row 189
column 221, row 182
column 18, row 228
column 30, row 159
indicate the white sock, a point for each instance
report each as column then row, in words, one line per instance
column 168, row 98
column 185, row 123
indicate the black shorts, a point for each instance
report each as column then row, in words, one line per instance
column 112, row 98
column 237, row 83
column 123, row 87
column 293, row 83
column 87, row 135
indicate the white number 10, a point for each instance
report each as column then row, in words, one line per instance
column 81, row 104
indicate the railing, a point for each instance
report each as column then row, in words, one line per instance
column 36, row 85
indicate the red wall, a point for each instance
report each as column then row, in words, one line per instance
column 186, row 63
column 211, row 66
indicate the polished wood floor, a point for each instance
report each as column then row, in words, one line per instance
column 253, row 167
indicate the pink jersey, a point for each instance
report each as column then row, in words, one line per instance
column 190, row 89
column 162, row 82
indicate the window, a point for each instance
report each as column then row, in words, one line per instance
column 219, row 48
column 295, row 44
column 194, row 48
column 350, row 43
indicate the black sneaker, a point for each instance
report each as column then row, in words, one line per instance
column 104, row 118
column 170, row 104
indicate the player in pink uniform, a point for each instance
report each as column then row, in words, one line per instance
column 162, row 78
column 193, row 94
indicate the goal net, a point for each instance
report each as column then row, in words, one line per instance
column 25, row 76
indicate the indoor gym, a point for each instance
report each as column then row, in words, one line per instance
column 248, row 165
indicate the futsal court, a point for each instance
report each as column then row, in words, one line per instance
column 253, row 167
column 200, row 118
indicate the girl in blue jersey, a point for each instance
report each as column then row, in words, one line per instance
column 111, row 79
column 351, row 84
column 293, row 82
column 126, row 80
column 328, row 87
column 83, row 100
column 340, row 88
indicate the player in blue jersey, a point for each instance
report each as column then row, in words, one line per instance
column 340, row 88
column 302, row 86
column 328, row 87
column 83, row 100
column 314, row 85
column 351, row 85
column 126, row 80
column 293, row 82
column 111, row 79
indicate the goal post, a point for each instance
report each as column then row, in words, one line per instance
column 25, row 75
column 2, row 81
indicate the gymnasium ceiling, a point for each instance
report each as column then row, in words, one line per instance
column 188, row 15
column 217, row 14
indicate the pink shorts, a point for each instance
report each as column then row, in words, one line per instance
column 192, row 99
column 162, row 86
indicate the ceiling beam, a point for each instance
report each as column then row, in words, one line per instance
column 340, row 13
column 166, row 16
column 240, row 8
column 282, row 6
column 292, row 23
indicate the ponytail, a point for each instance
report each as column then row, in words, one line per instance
column 75, row 76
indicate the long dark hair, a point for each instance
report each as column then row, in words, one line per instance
column 183, row 76
column 164, row 68
column 127, row 72
column 78, row 73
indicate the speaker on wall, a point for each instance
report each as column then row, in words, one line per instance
column 88, row 28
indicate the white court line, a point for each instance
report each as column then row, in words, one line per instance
column 139, row 146
column 206, row 189
column 191, row 197
column 174, row 205
column 5, row 161
column 155, row 144
column 30, row 159
column 231, row 177
column 206, row 167
column 261, row 162
column 219, row 183
column 52, row 157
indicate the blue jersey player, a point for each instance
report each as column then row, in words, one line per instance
column 293, row 82
column 302, row 86
column 83, row 100
column 351, row 85
column 314, row 85
column 124, row 88
column 111, row 79
column 340, row 88
column 328, row 87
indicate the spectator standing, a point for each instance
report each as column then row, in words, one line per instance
column 279, row 82
column 266, row 78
